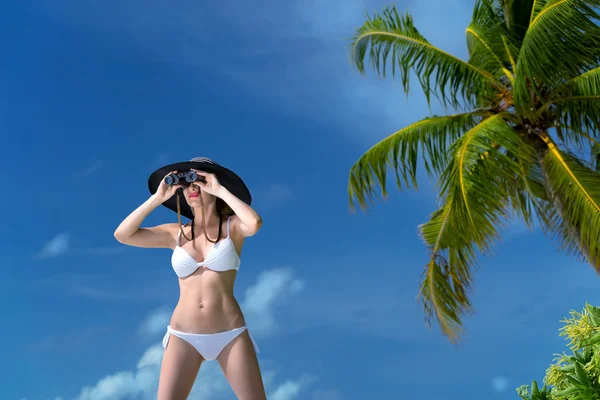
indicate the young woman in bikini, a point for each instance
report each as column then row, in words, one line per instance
column 207, row 323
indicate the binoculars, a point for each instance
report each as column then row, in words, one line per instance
column 183, row 178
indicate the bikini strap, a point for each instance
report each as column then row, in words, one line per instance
column 178, row 236
column 228, row 219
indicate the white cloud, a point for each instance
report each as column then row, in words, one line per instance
column 142, row 382
column 286, row 391
column 261, row 299
column 55, row 247
column 139, row 383
column 63, row 243
column 156, row 322
column 151, row 357
column 499, row 384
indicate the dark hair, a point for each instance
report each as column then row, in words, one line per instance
column 222, row 209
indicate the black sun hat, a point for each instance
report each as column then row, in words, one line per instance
column 226, row 177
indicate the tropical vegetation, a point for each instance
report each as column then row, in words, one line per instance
column 521, row 139
column 574, row 376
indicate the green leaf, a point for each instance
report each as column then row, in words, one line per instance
column 443, row 290
column 596, row 157
column 488, row 42
column 476, row 183
column 560, row 44
column 582, row 375
column 535, row 392
column 594, row 314
column 537, row 7
column 488, row 52
column 523, row 392
column 576, row 190
column 394, row 38
column 570, row 391
column 426, row 141
column 578, row 104
column 587, row 83
column 527, row 193
column 593, row 340
column 567, row 368
column 517, row 14
column 473, row 191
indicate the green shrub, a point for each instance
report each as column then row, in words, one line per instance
column 575, row 376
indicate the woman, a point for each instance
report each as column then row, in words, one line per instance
column 207, row 323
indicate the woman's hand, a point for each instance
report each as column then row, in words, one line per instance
column 210, row 185
column 164, row 191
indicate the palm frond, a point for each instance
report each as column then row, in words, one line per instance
column 475, row 185
column 596, row 158
column 486, row 13
column 529, row 197
column 527, row 193
column 536, row 7
column 580, row 114
column 561, row 43
column 400, row 151
column 487, row 50
column 573, row 138
column 577, row 103
column 475, row 195
column 575, row 192
column 394, row 38
column 513, row 15
column 588, row 82
column 518, row 15
column 446, row 280
column 595, row 150
column 512, row 54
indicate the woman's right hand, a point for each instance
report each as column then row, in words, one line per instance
column 164, row 191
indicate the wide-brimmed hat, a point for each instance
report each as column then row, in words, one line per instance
column 226, row 177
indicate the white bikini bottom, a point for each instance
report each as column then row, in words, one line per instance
column 209, row 345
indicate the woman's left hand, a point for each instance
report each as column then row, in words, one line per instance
column 211, row 186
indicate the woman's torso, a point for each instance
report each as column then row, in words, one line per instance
column 206, row 301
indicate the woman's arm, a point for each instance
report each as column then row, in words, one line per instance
column 248, row 222
column 130, row 233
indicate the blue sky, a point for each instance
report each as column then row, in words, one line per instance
column 99, row 94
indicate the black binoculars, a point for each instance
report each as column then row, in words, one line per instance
column 183, row 178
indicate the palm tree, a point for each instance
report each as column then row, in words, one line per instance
column 522, row 142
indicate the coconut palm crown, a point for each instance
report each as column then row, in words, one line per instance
column 522, row 140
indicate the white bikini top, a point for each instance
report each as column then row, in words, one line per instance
column 221, row 257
